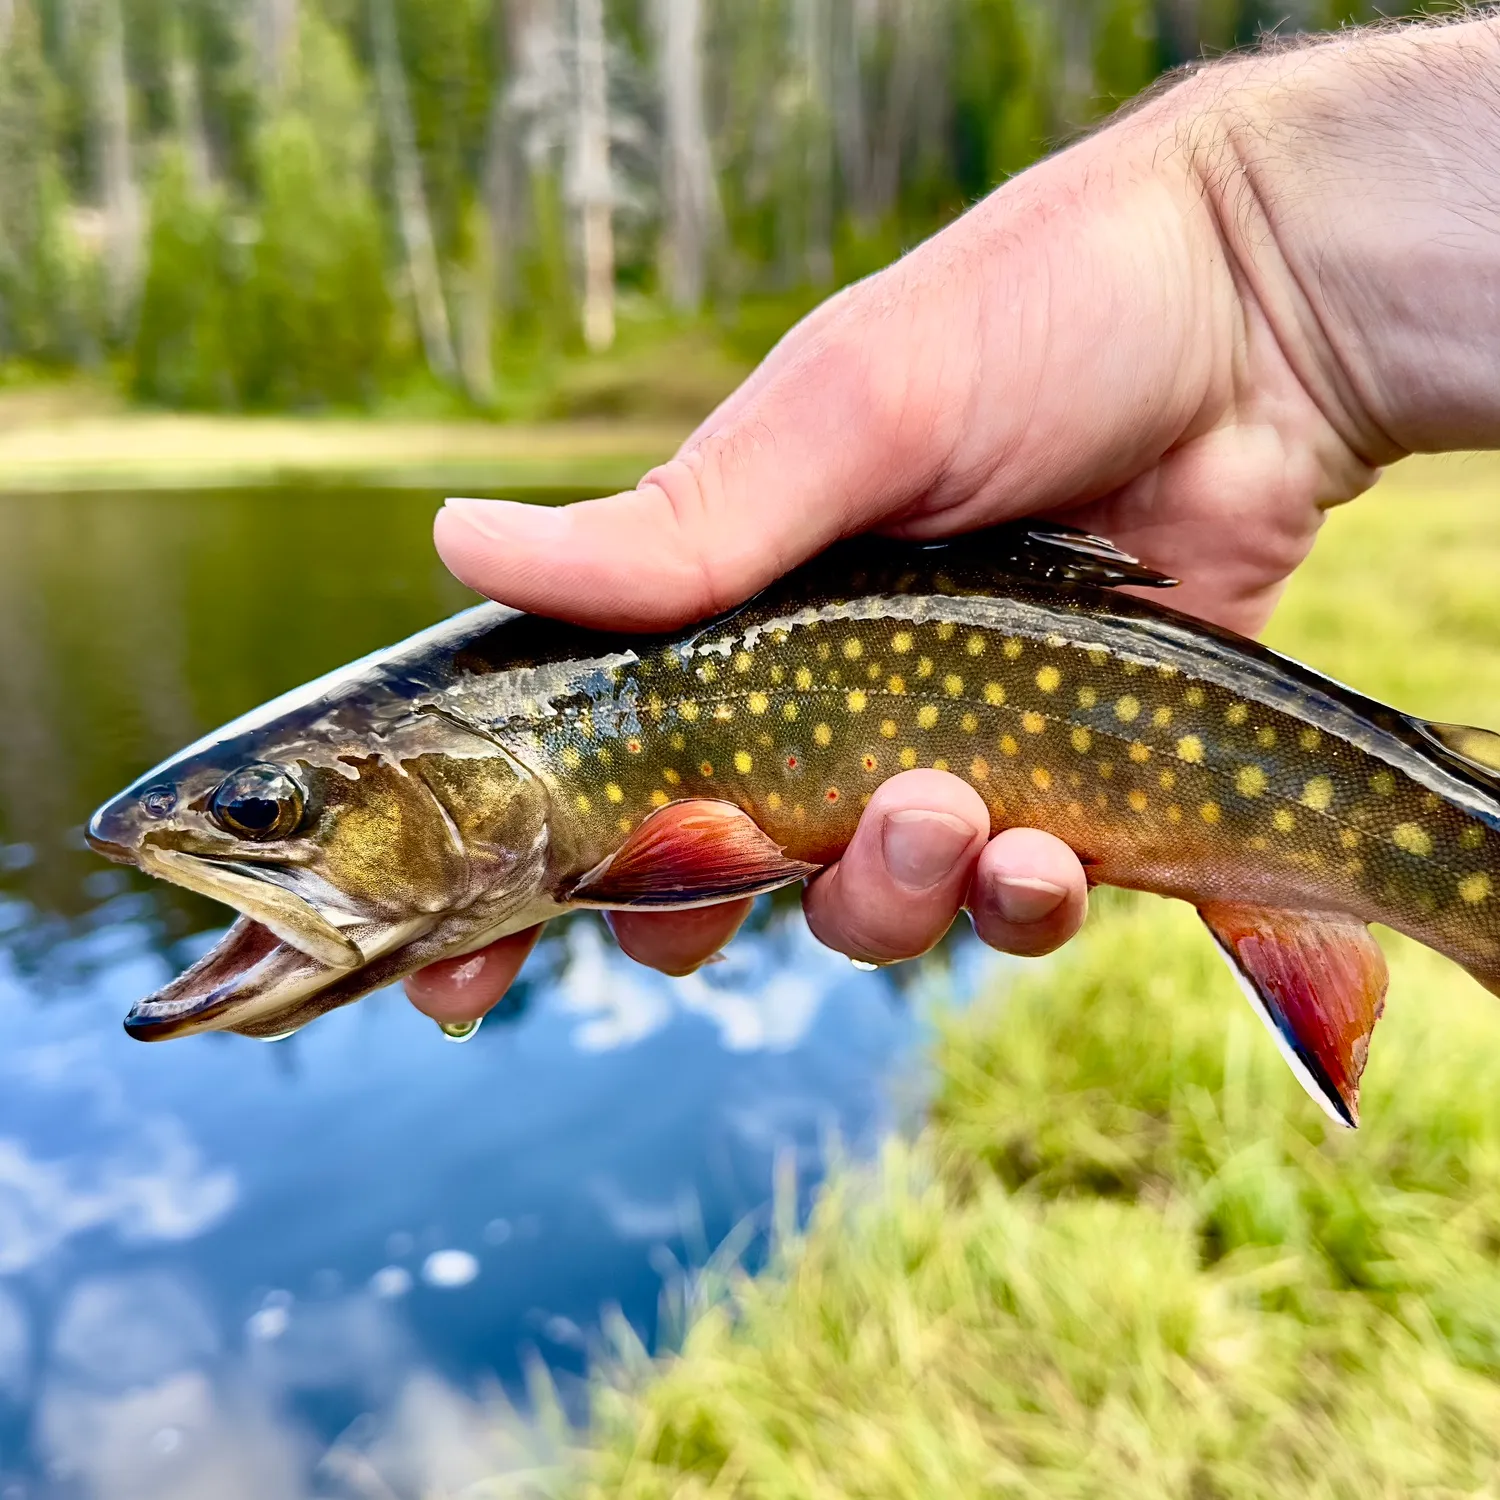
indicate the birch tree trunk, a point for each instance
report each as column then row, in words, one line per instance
column 693, row 219
column 411, row 201
column 188, row 107
column 592, row 184
column 275, row 36
column 7, row 20
column 124, row 210
column 813, row 46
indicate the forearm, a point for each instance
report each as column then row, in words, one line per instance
column 1356, row 184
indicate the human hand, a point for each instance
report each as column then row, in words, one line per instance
column 1191, row 333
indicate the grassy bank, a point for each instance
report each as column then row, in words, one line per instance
column 1126, row 1257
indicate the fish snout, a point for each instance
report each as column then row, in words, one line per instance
column 115, row 830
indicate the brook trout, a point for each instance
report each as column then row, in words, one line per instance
column 499, row 769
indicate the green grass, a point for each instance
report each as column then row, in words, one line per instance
column 1126, row 1256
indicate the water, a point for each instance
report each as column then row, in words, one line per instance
column 230, row 1268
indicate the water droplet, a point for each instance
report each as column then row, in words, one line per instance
column 864, row 965
column 280, row 1036
column 458, row 1031
column 449, row 1268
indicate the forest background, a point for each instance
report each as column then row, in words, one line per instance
column 446, row 206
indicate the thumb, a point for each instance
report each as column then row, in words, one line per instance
column 830, row 437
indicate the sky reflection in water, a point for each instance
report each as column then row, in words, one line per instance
column 237, row 1269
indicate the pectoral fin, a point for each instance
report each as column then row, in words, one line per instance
column 1318, row 980
column 690, row 853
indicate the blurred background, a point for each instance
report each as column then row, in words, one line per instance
column 275, row 276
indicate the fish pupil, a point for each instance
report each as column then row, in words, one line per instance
column 257, row 802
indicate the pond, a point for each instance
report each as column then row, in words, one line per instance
column 233, row 1268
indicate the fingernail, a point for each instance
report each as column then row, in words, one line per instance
column 1020, row 900
column 490, row 516
column 922, row 848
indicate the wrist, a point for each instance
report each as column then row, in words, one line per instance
column 1356, row 187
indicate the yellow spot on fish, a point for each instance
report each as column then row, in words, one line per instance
column 1138, row 753
column 908, row 758
column 953, row 685
column 1382, row 783
column 1127, row 708
column 659, row 798
column 1249, row 781
column 888, row 729
column 970, row 723
column 1349, row 838
column 1259, row 842
column 1161, row 717
column 823, row 734
column 979, row 768
column 901, row 641
column 873, row 671
column 1098, row 655
column 1193, row 697
column 1041, row 778
column 1236, row 713
column 571, row 758
column 1282, row 820
column 940, row 764
column 708, row 672
column 896, row 685
column 613, row 792
column 655, row 706
column 1033, row 722
column 773, row 801
column 605, row 757
column 1174, row 814
column 1165, row 669
column 688, row 709
column 1413, row 838
column 743, row 661
column 582, row 803
column 759, row 703
column 945, row 630
column 1309, row 739
column 1012, row 648
column 1209, row 812
column 624, row 825
column 804, row 678
column 1471, row 838
column 1474, row 888
column 854, row 648
column 778, row 676
column 856, row 701
column 1087, row 697
column 924, row 666
column 994, row 694
column 1190, row 749
column 975, row 644
column 1008, row 745
column 824, row 650
column 1131, row 668
column 1318, row 794
column 1081, row 739
column 670, row 776
column 789, row 712
column 743, row 763
column 1106, row 770
column 1075, row 809
column 724, row 712
column 1167, row 780
column 1138, row 801
column 1430, row 802
column 927, row 716
column 1048, row 679
column 1353, row 867
column 1265, row 738
column 677, row 742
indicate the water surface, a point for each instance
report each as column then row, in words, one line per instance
column 230, row 1268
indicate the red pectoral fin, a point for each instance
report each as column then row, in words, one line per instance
column 690, row 853
column 1318, row 981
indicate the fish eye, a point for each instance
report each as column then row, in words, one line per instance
column 257, row 802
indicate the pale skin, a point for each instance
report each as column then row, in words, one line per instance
column 1193, row 333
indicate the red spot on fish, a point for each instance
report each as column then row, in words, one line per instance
column 791, row 763
column 634, row 746
column 869, row 762
column 832, row 794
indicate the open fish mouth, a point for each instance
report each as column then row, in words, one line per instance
column 248, row 981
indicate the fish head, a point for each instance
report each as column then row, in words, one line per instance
column 352, row 857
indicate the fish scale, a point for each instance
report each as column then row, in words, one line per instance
column 501, row 768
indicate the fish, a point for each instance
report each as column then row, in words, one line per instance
column 501, row 768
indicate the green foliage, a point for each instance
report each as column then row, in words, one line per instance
column 1128, row 1256
column 316, row 310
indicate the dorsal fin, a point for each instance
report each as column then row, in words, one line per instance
column 1477, row 750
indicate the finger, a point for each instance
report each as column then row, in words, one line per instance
column 677, row 942
column 903, row 878
column 1029, row 893
column 454, row 990
column 965, row 383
